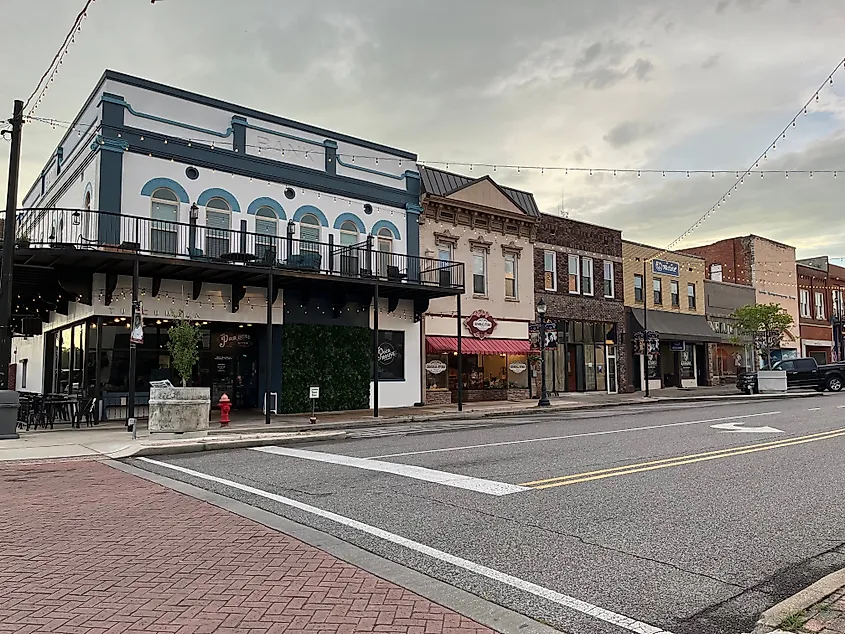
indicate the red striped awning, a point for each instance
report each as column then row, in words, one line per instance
column 471, row 345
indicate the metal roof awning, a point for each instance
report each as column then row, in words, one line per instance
column 477, row 346
column 677, row 326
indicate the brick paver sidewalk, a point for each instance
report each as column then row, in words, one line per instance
column 85, row 548
column 826, row 617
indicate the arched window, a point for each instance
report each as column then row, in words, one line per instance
column 384, row 245
column 348, row 255
column 266, row 226
column 85, row 221
column 348, row 233
column 309, row 233
column 218, row 217
column 164, row 213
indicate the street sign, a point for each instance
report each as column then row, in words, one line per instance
column 738, row 427
column 314, row 391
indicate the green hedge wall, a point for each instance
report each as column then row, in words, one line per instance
column 337, row 358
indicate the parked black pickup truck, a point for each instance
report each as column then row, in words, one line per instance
column 804, row 373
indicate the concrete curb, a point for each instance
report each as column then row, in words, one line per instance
column 809, row 596
column 532, row 410
column 494, row 616
column 210, row 443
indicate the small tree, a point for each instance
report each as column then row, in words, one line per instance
column 765, row 325
column 183, row 343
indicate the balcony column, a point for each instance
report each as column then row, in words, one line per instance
column 375, row 350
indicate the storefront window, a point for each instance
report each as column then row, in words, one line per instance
column 687, row 369
column 590, row 367
column 436, row 371
column 518, row 371
column 391, row 355
column 601, row 370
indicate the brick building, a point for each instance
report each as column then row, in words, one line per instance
column 732, row 354
column 578, row 274
column 664, row 294
column 820, row 308
column 766, row 265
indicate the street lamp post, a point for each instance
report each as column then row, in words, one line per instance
column 646, row 350
column 541, row 313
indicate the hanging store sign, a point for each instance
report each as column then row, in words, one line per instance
column 435, row 367
column 137, row 334
column 677, row 346
column 480, row 324
column 517, row 368
column 665, row 267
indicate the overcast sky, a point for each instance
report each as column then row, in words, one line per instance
column 666, row 84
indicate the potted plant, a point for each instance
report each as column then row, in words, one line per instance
column 181, row 409
column 765, row 325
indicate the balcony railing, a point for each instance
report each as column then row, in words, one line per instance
column 86, row 230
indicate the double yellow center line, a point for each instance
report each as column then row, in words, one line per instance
column 680, row 460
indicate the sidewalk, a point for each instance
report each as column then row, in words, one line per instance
column 818, row 609
column 91, row 549
column 111, row 440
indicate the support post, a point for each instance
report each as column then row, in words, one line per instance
column 133, row 349
column 98, row 370
column 375, row 350
column 646, row 350
column 9, row 248
column 269, row 353
column 544, row 397
column 460, row 359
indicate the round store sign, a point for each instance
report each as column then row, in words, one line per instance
column 517, row 368
column 435, row 367
column 480, row 324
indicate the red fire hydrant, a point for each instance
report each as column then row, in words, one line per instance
column 225, row 405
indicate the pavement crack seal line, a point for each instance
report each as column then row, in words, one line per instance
column 577, row 605
column 590, row 476
column 568, row 436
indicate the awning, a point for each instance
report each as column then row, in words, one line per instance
column 677, row 326
column 471, row 345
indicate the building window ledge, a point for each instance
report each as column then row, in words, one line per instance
column 476, row 296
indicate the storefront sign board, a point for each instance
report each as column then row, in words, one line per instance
column 480, row 324
column 677, row 346
column 435, row 367
column 665, row 267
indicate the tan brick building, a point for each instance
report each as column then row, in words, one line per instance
column 664, row 295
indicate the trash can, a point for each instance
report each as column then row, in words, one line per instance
column 9, row 403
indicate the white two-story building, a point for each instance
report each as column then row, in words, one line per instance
column 222, row 210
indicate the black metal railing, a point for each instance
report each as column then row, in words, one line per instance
column 81, row 229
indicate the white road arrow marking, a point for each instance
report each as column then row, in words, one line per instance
column 739, row 427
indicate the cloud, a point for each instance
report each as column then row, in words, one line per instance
column 627, row 132
column 711, row 62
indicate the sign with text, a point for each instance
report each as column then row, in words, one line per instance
column 391, row 355
column 480, row 324
column 677, row 346
column 665, row 267
column 229, row 340
column 436, row 366
column 314, row 391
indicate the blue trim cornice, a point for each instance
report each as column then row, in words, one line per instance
column 216, row 192
column 352, row 166
column 351, row 218
column 311, row 209
column 413, row 208
column 143, row 115
column 266, row 201
column 156, row 183
column 386, row 224
column 108, row 144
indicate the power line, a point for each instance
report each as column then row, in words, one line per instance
column 763, row 156
column 58, row 58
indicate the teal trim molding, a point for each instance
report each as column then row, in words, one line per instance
column 386, row 224
column 311, row 209
column 108, row 144
column 413, row 208
column 143, row 115
column 216, row 192
column 156, row 183
column 344, row 217
column 266, row 201
column 368, row 170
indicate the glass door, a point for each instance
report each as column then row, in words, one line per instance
column 612, row 385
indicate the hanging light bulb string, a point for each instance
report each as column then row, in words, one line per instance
column 591, row 171
column 763, row 156
column 58, row 58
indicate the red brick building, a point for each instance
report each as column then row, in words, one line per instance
column 578, row 274
column 821, row 308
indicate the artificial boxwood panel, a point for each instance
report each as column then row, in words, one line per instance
column 337, row 358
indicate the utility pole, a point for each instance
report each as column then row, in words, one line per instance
column 646, row 352
column 9, row 247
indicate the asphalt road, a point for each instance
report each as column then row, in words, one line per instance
column 635, row 519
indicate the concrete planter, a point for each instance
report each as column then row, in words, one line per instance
column 771, row 381
column 178, row 410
